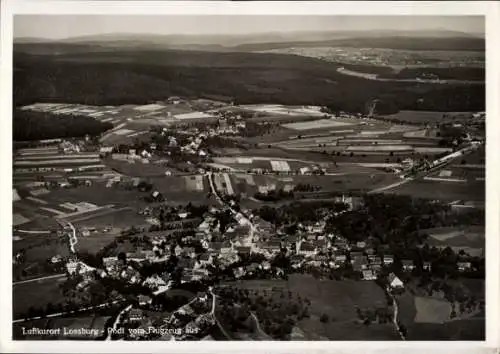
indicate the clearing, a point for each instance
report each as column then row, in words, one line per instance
column 432, row 310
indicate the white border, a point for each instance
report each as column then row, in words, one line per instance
column 490, row 9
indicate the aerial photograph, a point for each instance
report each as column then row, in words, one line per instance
column 248, row 178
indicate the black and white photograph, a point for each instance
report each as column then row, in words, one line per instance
column 248, row 177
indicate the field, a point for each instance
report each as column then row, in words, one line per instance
column 445, row 234
column 424, row 117
column 472, row 329
column 18, row 219
column 136, row 169
column 446, row 191
column 94, row 243
column 342, row 181
column 182, row 189
column 36, row 294
column 470, row 239
column 370, row 139
column 317, row 124
column 284, row 110
column 194, row 183
column 119, row 219
column 97, row 194
column 464, row 173
column 337, row 299
column 428, row 318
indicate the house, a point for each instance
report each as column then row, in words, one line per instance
column 144, row 300
column 243, row 249
column 395, row 282
column 135, row 315
column 361, row 244
column 154, row 282
column 272, row 246
column 306, row 249
column 186, row 310
column 370, row 251
column 388, row 259
column 355, row 255
column 226, row 247
column 265, row 265
column 321, row 258
column 189, row 252
column 214, row 246
column 369, row 275
column 252, row 268
column 374, row 260
column 186, row 263
column 340, row 257
column 198, row 274
column 56, row 259
column 228, row 258
column 136, row 256
column 427, row 266
column 317, row 227
column 238, row 272
column 407, row 265
column 376, row 268
column 206, row 258
column 304, row 170
column 359, row 263
column 186, row 278
column 178, row 250
column 464, row 266
column 297, row 258
column 106, row 150
column 135, row 182
column 321, row 243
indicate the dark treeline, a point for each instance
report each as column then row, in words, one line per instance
column 108, row 79
column 38, row 126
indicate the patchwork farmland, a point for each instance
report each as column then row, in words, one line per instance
column 370, row 138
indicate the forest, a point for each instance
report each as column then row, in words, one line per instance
column 244, row 78
column 38, row 126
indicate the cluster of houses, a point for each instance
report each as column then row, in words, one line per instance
column 192, row 320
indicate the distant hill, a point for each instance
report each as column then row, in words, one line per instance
column 419, row 40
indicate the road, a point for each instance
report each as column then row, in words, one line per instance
column 452, row 157
column 72, row 239
column 55, row 276
column 395, row 315
column 259, row 330
column 212, row 312
column 117, row 321
column 244, row 220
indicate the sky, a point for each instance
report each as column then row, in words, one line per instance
column 65, row 26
